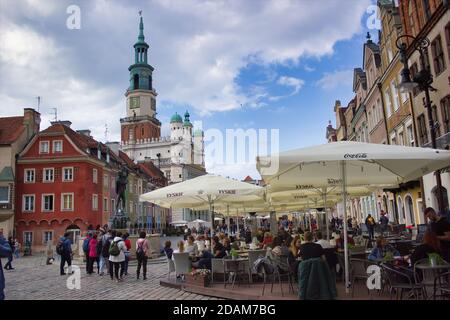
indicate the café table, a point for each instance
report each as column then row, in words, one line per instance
column 429, row 273
column 234, row 267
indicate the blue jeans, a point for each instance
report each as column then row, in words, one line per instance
column 17, row 253
column 103, row 263
column 125, row 264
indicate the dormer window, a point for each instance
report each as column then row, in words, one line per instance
column 57, row 146
column 44, row 147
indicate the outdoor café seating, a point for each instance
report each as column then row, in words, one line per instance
column 400, row 282
column 182, row 263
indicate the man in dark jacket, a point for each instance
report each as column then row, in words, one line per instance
column 5, row 251
column 66, row 255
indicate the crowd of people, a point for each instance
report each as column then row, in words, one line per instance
column 109, row 250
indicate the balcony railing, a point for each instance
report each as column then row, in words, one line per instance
column 441, row 143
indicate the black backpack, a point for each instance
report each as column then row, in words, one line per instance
column 99, row 248
column 140, row 250
column 105, row 247
column 60, row 247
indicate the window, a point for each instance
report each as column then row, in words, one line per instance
column 113, row 205
column 445, row 110
column 105, row 181
column 47, row 236
column 94, row 175
column 105, row 204
column 427, row 9
column 438, row 55
column 29, row 175
column 130, row 134
column 426, row 62
column 68, row 174
column 48, row 202
column 57, row 146
column 67, row 202
column 43, row 147
column 94, row 202
column 387, row 98
column 435, row 119
column 394, row 95
column 28, row 203
column 142, row 132
column 423, row 136
column 414, row 70
column 168, row 175
column 4, row 194
column 447, row 37
column 48, row 175
column 28, row 237
column 401, row 141
column 393, row 139
column 403, row 95
column 410, row 135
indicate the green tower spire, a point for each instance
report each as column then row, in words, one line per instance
column 141, row 37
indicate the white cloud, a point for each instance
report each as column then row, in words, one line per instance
column 295, row 83
column 197, row 47
column 338, row 78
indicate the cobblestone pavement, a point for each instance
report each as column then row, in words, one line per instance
column 32, row 279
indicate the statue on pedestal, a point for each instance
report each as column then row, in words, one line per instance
column 120, row 219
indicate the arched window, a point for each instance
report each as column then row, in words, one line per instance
column 136, row 81
column 150, row 83
column 410, row 209
column 401, row 211
column 434, row 198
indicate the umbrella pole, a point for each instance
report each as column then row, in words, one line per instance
column 237, row 222
column 228, row 219
column 344, row 198
column 212, row 216
column 327, row 223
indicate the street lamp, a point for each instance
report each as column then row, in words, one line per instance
column 422, row 80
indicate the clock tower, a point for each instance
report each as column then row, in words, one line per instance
column 140, row 123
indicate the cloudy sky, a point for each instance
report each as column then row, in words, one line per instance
column 253, row 64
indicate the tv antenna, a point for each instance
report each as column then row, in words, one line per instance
column 55, row 112
column 106, row 132
column 38, row 102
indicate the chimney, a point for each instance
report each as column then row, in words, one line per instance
column 66, row 123
column 85, row 132
column 31, row 121
column 337, row 105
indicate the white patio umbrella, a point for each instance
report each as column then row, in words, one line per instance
column 207, row 189
column 349, row 164
column 179, row 223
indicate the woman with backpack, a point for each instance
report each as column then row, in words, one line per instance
column 117, row 257
column 142, row 248
column 92, row 255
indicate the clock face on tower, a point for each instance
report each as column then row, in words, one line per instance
column 134, row 102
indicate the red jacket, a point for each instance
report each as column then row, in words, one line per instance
column 93, row 248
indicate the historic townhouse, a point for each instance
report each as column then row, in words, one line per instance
column 403, row 204
column 60, row 184
column 430, row 19
column 15, row 133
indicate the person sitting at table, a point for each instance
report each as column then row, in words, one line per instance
column 309, row 249
column 430, row 244
column 278, row 253
column 226, row 244
column 267, row 241
column 218, row 250
column 340, row 240
column 167, row 249
column 380, row 250
column 180, row 246
column 324, row 243
column 191, row 247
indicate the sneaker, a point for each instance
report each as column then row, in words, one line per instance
column 63, row 274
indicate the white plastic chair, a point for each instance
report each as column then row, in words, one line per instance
column 181, row 262
column 170, row 267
